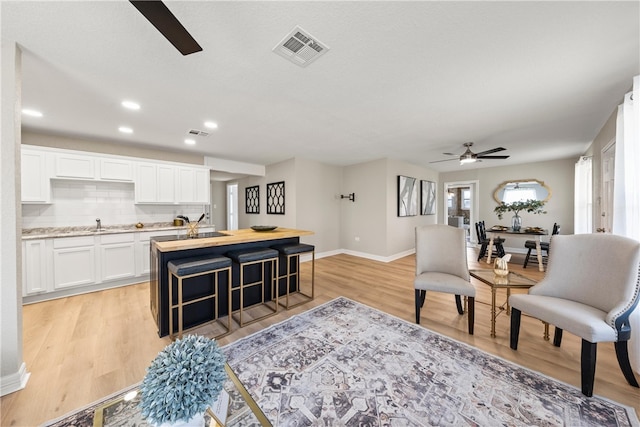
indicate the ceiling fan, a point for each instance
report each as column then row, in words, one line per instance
column 470, row 157
column 161, row 17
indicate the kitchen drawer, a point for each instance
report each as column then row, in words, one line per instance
column 107, row 239
column 73, row 242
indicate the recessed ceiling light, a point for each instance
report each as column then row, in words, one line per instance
column 125, row 129
column 211, row 125
column 131, row 105
column 32, row 113
column 190, row 141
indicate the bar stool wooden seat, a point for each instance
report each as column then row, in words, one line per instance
column 267, row 259
column 187, row 268
column 290, row 252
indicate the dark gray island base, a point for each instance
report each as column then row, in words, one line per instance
column 166, row 248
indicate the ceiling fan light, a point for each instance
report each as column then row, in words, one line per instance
column 467, row 158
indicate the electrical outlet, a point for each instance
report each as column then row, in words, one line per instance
column 357, row 239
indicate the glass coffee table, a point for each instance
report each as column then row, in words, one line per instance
column 235, row 407
column 508, row 282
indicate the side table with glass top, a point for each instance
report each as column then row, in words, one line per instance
column 508, row 282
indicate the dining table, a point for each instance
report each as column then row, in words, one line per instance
column 534, row 232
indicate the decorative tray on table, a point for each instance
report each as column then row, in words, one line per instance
column 263, row 227
column 499, row 228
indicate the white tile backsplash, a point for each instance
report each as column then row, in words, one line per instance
column 78, row 203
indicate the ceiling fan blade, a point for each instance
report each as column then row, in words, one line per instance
column 492, row 157
column 161, row 17
column 494, row 150
column 446, row 160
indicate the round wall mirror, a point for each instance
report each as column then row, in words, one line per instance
column 522, row 189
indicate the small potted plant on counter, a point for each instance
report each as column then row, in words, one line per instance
column 182, row 382
column 530, row 206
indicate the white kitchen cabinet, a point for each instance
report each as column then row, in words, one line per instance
column 155, row 183
column 117, row 256
column 116, row 169
column 36, row 267
column 166, row 184
column 193, row 185
column 35, row 182
column 74, row 262
column 74, row 166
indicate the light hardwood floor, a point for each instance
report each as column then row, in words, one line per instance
column 82, row 348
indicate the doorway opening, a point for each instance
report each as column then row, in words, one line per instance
column 232, row 206
column 461, row 206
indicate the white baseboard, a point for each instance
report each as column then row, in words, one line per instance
column 359, row 254
column 14, row 382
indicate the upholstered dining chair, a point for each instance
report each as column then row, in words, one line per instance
column 544, row 246
column 483, row 240
column 441, row 266
column 590, row 289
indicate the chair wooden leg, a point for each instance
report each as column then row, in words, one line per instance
column 483, row 251
column 471, row 302
column 515, row 328
column 588, row 366
column 420, row 295
column 557, row 337
column 623, row 360
column 459, row 304
column 526, row 259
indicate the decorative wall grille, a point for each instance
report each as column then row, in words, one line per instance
column 252, row 197
column 275, row 198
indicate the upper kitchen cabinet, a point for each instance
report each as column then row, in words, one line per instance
column 36, row 187
column 193, row 185
column 115, row 169
column 155, row 183
column 74, row 166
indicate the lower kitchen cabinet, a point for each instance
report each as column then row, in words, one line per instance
column 117, row 256
column 74, row 262
column 36, row 267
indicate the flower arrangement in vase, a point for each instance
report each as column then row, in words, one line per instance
column 182, row 381
column 530, row 206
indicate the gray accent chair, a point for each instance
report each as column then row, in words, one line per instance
column 591, row 287
column 441, row 266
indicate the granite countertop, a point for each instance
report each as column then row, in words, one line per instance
column 49, row 232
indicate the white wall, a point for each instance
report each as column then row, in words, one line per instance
column 556, row 174
column 401, row 230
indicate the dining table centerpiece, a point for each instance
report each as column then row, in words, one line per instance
column 182, row 382
column 530, row 205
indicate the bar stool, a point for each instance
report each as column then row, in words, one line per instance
column 294, row 250
column 187, row 268
column 263, row 257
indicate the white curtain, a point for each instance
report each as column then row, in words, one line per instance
column 626, row 191
column 583, row 214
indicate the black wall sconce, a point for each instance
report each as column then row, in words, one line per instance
column 350, row 196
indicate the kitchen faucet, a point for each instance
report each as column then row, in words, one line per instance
column 98, row 224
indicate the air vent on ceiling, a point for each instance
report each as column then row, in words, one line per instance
column 198, row 132
column 300, row 47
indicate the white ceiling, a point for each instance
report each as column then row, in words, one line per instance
column 402, row 80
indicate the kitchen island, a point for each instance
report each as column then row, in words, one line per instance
column 166, row 248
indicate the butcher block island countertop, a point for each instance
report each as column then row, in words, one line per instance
column 228, row 237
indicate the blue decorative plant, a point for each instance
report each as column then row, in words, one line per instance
column 183, row 380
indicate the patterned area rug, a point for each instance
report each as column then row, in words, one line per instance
column 346, row 364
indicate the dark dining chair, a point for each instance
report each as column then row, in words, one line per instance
column 483, row 240
column 544, row 246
